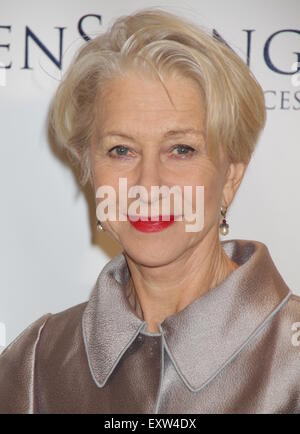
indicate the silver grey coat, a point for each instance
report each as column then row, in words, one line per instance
column 235, row 349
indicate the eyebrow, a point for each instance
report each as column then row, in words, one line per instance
column 169, row 133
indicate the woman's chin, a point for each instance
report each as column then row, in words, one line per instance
column 153, row 255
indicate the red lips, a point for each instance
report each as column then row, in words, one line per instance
column 152, row 225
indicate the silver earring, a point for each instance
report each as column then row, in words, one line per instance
column 99, row 226
column 224, row 226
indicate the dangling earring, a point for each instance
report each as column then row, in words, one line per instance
column 224, row 226
column 99, row 226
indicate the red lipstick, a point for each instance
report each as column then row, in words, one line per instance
column 151, row 225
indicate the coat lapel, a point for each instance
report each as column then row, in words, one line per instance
column 202, row 338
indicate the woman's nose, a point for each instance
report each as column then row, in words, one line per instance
column 149, row 171
column 149, row 175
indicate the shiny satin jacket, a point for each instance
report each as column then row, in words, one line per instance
column 235, row 349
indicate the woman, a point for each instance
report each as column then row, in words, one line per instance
column 179, row 322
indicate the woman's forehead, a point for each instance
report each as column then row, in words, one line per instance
column 133, row 101
column 134, row 91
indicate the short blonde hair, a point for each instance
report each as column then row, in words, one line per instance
column 162, row 42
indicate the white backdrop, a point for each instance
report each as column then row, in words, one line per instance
column 50, row 253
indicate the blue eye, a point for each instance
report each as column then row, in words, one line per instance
column 184, row 149
column 120, row 150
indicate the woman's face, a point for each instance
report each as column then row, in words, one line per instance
column 144, row 138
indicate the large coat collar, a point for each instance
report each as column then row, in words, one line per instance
column 202, row 338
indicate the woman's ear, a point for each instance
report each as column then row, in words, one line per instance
column 233, row 178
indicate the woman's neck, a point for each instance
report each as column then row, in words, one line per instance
column 153, row 311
